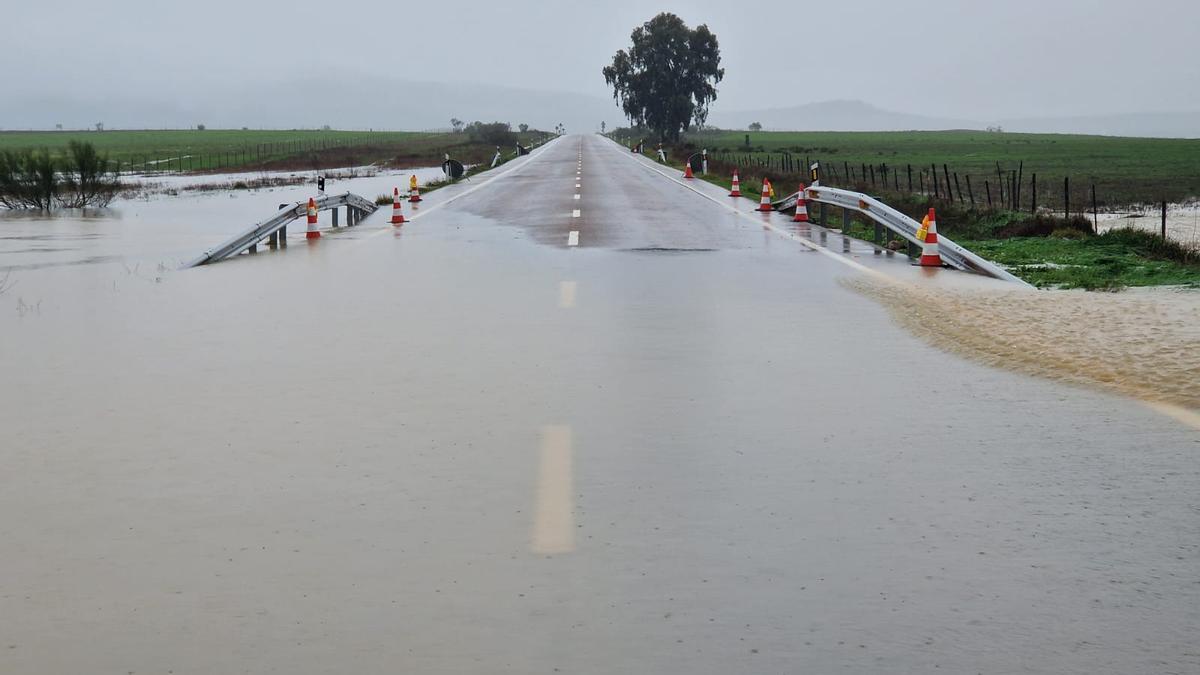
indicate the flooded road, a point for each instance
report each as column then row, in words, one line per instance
column 682, row 445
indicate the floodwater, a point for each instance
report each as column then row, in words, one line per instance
column 1183, row 221
column 156, row 232
column 1145, row 343
column 459, row 447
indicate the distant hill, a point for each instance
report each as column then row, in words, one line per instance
column 836, row 116
column 1159, row 125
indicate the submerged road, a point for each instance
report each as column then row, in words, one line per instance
column 577, row 418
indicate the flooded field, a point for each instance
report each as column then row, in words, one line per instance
column 1183, row 221
column 1143, row 343
column 157, row 231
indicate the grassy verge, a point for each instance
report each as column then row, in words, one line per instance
column 1045, row 250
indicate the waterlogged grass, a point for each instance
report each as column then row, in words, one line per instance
column 1111, row 261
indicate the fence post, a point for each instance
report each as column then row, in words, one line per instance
column 1020, row 179
column 957, row 187
column 987, row 186
column 1067, row 197
column 970, row 190
column 910, row 178
column 1033, row 201
column 937, row 193
column 1164, row 221
column 1095, row 212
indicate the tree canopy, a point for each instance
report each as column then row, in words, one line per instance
column 668, row 77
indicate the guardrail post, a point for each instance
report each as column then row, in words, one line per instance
column 822, row 214
column 273, row 239
column 283, row 237
column 335, row 217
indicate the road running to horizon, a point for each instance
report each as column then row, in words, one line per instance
column 576, row 417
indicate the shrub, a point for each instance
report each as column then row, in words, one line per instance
column 494, row 133
column 34, row 179
column 88, row 179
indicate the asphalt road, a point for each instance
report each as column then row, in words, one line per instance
column 575, row 417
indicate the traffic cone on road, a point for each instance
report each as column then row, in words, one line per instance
column 801, row 207
column 764, row 202
column 736, row 191
column 414, row 193
column 687, row 173
column 397, row 213
column 930, row 257
column 312, row 233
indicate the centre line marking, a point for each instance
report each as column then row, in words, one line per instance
column 576, row 196
column 573, row 238
column 575, row 213
column 554, row 517
column 566, row 294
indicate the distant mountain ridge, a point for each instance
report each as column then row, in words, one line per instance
column 836, row 116
column 360, row 102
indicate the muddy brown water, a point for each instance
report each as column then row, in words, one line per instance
column 365, row 454
column 1144, row 344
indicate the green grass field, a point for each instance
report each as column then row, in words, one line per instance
column 213, row 149
column 1124, row 170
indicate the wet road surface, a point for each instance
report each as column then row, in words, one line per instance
column 680, row 445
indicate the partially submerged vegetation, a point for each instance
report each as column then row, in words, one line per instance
column 42, row 180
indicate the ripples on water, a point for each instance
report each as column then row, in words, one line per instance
column 1145, row 344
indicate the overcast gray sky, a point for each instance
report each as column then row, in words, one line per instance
column 935, row 57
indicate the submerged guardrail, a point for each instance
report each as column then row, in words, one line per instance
column 272, row 228
column 954, row 255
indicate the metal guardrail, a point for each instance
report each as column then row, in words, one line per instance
column 953, row 254
column 356, row 208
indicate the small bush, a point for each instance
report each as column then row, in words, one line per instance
column 383, row 200
column 494, row 133
column 35, row 179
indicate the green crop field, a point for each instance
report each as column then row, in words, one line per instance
column 212, row 149
column 1124, row 170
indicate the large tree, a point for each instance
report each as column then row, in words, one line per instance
column 667, row 78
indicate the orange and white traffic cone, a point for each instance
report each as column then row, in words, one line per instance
column 687, row 173
column 736, row 191
column 764, row 202
column 414, row 193
column 801, row 207
column 930, row 257
column 312, row 233
column 397, row 213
